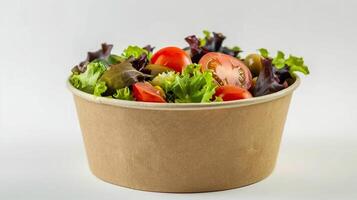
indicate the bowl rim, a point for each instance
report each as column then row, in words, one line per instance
column 183, row 106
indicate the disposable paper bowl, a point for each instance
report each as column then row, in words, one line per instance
column 193, row 147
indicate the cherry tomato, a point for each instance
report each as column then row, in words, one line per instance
column 231, row 92
column 144, row 91
column 172, row 57
column 227, row 69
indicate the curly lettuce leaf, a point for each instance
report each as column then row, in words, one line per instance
column 87, row 80
column 283, row 74
column 124, row 94
column 102, row 53
column 165, row 80
column 278, row 72
column 100, row 88
column 133, row 52
column 218, row 99
column 193, row 85
column 268, row 81
column 234, row 51
column 296, row 64
column 149, row 49
column 196, row 50
column 138, row 57
column 293, row 63
column 140, row 63
column 279, row 60
column 264, row 52
column 210, row 43
column 203, row 41
column 214, row 43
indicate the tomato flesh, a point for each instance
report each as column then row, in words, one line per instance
column 171, row 57
column 231, row 92
column 144, row 91
column 227, row 69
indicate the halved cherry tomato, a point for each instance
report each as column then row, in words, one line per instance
column 231, row 92
column 144, row 91
column 227, row 69
column 172, row 57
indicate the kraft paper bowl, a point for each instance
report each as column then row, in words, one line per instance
column 193, row 147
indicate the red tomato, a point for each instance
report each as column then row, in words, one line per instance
column 146, row 92
column 231, row 92
column 172, row 57
column 227, row 69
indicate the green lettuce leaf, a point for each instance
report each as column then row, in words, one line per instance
column 264, row 52
column 218, row 99
column 87, row 80
column 124, row 94
column 101, row 54
column 134, row 52
column 203, row 41
column 137, row 56
column 296, row 64
column 293, row 63
column 279, row 60
column 165, row 80
column 198, row 47
column 100, row 88
column 193, row 85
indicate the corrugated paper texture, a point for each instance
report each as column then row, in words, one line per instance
column 182, row 150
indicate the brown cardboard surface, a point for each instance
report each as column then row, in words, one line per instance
column 182, row 150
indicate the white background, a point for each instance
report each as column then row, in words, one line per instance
column 41, row 151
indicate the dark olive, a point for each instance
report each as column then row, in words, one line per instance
column 157, row 69
column 253, row 62
column 254, row 81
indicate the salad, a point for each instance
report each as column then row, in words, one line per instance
column 205, row 71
